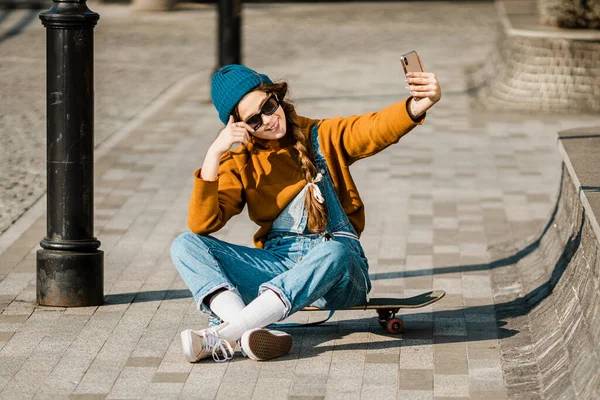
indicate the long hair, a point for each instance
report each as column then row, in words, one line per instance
column 317, row 213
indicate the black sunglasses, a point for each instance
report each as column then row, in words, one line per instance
column 268, row 108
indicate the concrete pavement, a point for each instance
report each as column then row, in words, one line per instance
column 465, row 180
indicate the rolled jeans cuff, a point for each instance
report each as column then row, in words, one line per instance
column 286, row 300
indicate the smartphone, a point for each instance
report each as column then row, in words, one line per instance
column 411, row 62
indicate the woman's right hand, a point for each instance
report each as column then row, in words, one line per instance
column 234, row 132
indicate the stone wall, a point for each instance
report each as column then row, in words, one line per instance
column 550, row 295
column 539, row 70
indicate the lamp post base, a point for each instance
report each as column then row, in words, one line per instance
column 70, row 279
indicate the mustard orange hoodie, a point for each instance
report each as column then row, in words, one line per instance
column 267, row 179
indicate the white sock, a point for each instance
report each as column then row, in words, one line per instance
column 227, row 305
column 264, row 310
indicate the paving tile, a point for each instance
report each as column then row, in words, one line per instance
column 5, row 336
column 416, row 354
column 415, row 379
column 451, row 286
column 146, row 362
column 450, row 358
column 344, row 387
column 451, row 385
column 97, row 382
column 485, row 375
column 131, row 383
column 500, row 395
column 271, row 388
column 480, row 318
column 484, row 349
column 203, row 381
column 166, row 377
column 13, row 319
column 308, row 389
column 417, row 329
column 444, row 326
column 381, row 359
column 15, row 282
column 163, row 391
column 416, row 249
column 378, row 391
column 383, row 375
column 5, row 300
column 445, row 236
column 478, row 286
column 421, row 220
column 245, row 372
column 419, row 284
column 415, row 394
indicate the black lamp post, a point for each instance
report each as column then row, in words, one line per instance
column 70, row 268
column 230, row 32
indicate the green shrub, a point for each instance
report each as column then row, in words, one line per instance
column 570, row 13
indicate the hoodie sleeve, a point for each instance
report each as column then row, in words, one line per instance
column 361, row 136
column 213, row 203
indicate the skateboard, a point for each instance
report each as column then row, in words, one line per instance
column 387, row 307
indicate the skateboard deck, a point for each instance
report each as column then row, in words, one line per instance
column 421, row 300
column 387, row 307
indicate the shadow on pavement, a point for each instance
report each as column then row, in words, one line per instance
column 142, row 297
column 20, row 26
column 3, row 15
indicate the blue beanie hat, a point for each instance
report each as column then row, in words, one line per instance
column 230, row 84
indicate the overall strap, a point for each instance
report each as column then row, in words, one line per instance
column 314, row 139
column 319, row 157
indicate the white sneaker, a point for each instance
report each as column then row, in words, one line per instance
column 201, row 344
column 264, row 344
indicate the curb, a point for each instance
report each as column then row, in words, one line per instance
column 579, row 188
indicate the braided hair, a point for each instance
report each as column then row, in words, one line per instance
column 317, row 213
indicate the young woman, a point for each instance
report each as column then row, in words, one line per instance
column 293, row 174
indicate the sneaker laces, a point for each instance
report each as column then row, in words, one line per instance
column 217, row 346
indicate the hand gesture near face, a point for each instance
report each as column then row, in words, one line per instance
column 234, row 132
column 424, row 85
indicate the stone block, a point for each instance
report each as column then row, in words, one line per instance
column 415, row 379
column 451, row 385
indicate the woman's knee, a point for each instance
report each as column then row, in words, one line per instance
column 336, row 253
column 187, row 243
column 335, row 249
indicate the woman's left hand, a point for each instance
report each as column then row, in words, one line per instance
column 424, row 84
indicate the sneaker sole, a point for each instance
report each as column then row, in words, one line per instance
column 188, row 346
column 261, row 345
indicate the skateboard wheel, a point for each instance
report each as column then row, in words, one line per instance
column 395, row 326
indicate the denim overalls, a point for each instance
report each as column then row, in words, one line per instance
column 327, row 270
